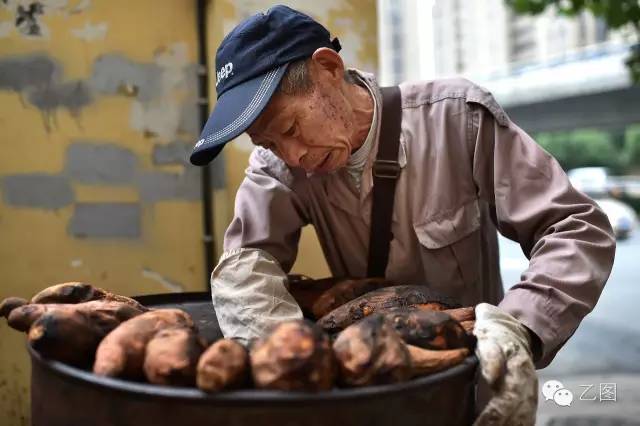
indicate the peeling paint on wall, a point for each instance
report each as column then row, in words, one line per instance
column 38, row 78
column 115, row 74
column 100, row 163
column 27, row 15
column 37, row 191
column 106, row 220
column 164, row 91
column 27, row 20
column 91, row 32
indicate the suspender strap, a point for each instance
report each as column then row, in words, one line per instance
column 386, row 171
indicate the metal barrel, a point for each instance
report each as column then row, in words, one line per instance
column 62, row 395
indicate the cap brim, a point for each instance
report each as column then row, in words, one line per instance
column 234, row 112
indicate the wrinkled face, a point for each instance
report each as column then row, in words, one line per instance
column 314, row 130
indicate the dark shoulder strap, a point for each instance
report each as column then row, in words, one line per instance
column 386, row 170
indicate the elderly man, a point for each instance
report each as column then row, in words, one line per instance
column 463, row 169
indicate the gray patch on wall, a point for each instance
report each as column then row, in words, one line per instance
column 172, row 153
column 72, row 95
column 37, row 191
column 179, row 152
column 159, row 186
column 38, row 77
column 100, row 163
column 218, row 172
column 106, row 220
column 190, row 121
column 20, row 73
column 114, row 73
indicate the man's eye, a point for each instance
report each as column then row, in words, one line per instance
column 291, row 131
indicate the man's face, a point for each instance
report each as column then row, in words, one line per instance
column 314, row 130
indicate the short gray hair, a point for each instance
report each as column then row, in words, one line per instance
column 296, row 81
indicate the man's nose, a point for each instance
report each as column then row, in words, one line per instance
column 292, row 152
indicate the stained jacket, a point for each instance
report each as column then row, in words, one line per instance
column 467, row 169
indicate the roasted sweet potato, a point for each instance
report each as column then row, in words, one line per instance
column 468, row 326
column 427, row 361
column 467, row 313
column 172, row 356
column 9, row 304
column 21, row 318
column 428, row 329
column 121, row 353
column 319, row 297
column 370, row 352
column 345, row 291
column 77, row 292
column 296, row 355
column 71, row 333
column 224, row 365
column 383, row 300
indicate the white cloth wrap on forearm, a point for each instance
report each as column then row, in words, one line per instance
column 249, row 293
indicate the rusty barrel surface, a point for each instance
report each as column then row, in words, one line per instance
column 62, row 395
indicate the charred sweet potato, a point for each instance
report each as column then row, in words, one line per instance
column 172, row 356
column 71, row 333
column 370, row 352
column 77, row 292
column 9, row 304
column 319, row 297
column 224, row 365
column 428, row 329
column 296, row 355
column 467, row 313
column 345, row 291
column 21, row 318
column 383, row 300
column 122, row 352
column 468, row 326
column 427, row 361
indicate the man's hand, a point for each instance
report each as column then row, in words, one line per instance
column 504, row 352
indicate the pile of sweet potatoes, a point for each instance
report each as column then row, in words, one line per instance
column 366, row 332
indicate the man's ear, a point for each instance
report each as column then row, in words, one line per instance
column 328, row 63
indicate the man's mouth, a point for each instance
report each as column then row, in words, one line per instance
column 324, row 162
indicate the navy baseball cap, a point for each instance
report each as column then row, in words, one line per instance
column 250, row 63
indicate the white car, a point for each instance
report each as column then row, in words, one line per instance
column 622, row 217
column 593, row 181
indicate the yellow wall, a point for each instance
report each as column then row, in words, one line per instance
column 97, row 110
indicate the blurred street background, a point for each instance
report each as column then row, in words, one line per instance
column 101, row 102
column 563, row 76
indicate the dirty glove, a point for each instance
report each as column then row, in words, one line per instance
column 249, row 293
column 504, row 352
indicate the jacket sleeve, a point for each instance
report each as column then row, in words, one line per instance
column 249, row 284
column 564, row 234
column 268, row 214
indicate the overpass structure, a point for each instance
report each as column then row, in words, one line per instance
column 589, row 88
